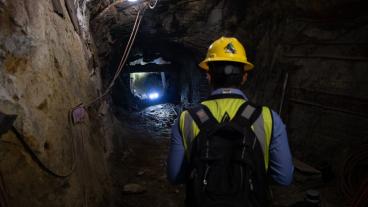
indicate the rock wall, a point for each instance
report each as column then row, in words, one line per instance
column 46, row 68
column 319, row 52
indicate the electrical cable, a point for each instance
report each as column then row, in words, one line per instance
column 152, row 4
column 38, row 161
column 127, row 51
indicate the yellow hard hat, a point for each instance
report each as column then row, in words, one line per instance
column 226, row 49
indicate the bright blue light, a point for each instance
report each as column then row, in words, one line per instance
column 153, row 96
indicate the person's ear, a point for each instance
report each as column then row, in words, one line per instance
column 245, row 78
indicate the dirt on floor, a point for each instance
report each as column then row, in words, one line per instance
column 144, row 164
column 138, row 167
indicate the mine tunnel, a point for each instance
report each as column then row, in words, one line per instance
column 90, row 91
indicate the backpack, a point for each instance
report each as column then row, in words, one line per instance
column 226, row 164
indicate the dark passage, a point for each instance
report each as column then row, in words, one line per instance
column 90, row 89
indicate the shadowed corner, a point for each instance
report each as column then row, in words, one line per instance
column 6, row 122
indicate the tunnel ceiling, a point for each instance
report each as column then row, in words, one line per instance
column 196, row 23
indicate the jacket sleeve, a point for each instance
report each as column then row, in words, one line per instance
column 281, row 164
column 176, row 161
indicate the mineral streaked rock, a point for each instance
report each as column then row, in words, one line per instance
column 43, row 74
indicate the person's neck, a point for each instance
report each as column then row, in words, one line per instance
column 231, row 87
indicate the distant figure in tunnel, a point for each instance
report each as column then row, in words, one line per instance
column 225, row 148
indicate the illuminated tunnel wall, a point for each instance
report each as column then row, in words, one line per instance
column 158, row 68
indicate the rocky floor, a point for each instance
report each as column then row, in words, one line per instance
column 139, row 175
column 138, row 166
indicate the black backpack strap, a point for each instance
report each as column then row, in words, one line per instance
column 203, row 117
column 245, row 117
column 247, row 114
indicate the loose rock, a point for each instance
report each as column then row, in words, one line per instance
column 133, row 188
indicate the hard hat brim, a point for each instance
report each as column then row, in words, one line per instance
column 204, row 64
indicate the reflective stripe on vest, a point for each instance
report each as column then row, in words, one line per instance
column 262, row 127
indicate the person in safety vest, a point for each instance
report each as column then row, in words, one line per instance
column 224, row 149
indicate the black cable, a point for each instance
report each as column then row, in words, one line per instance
column 38, row 161
column 34, row 156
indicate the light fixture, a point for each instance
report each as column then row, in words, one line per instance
column 132, row 0
column 153, row 96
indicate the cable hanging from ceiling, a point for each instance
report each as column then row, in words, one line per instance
column 152, row 4
column 141, row 9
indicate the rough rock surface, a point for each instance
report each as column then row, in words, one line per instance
column 133, row 188
column 45, row 70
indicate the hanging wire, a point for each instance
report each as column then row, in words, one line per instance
column 39, row 162
column 142, row 8
column 152, row 4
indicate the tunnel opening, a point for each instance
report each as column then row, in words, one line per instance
column 157, row 72
column 160, row 79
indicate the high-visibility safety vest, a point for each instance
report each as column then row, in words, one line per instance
column 229, row 104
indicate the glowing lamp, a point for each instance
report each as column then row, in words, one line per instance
column 153, row 96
